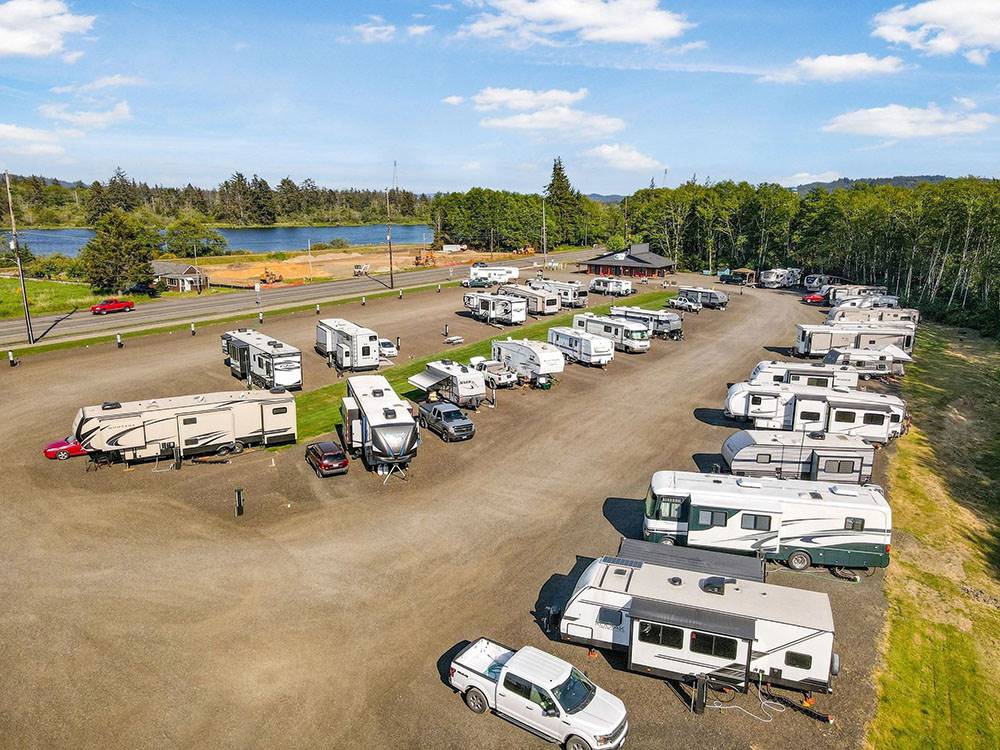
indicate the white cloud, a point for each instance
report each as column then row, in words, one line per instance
column 965, row 102
column 36, row 28
column 836, row 68
column 897, row 121
column 442, row 6
column 804, row 178
column 87, row 119
column 29, row 141
column 944, row 27
column 623, row 157
column 107, row 82
column 419, row 29
column 525, row 22
column 454, row 100
column 525, row 99
column 558, row 121
column 375, row 29
column 471, row 166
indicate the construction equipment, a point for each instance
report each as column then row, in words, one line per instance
column 426, row 258
column 362, row 269
column 270, row 277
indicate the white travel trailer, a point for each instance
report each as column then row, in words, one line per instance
column 871, row 363
column 346, row 345
column 659, row 322
column 259, row 360
column 495, row 274
column 872, row 315
column 496, row 308
column 816, row 281
column 182, row 426
column 817, row 340
column 571, row 293
column 454, row 382
column 539, row 301
column 627, row 335
column 818, row 456
column 837, row 292
column 797, row 522
column 875, row 416
column 779, row 278
column 697, row 625
column 378, row 425
column 707, row 297
column 611, row 287
column 580, row 346
column 533, row 361
column 819, row 374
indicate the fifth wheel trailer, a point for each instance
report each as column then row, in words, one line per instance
column 182, row 426
column 797, row 522
column 819, row 374
column 874, row 416
column 496, row 308
column 259, row 360
column 539, row 301
column 694, row 625
column 377, row 423
column 824, row 457
column 817, row 340
column 346, row 345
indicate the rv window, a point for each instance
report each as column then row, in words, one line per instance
column 755, row 400
column 661, row 635
column 280, row 410
column 366, row 351
column 763, row 458
column 894, row 418
column 847, row 417
column 821, row 382
column 191, row 441
column 670, row 510
column 267, row 367
column 874, row 419
column 709, row 518
column 755, row 522
column 798, row 661
column 810, row 416
column 907, row 341
column 517, row 686
column 854, row 524
column 191, row 420
column 832, row 466
column 607, row 329
column 713, row 645
column 879, row 366
column 609, row 616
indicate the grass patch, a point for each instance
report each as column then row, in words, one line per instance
column 937, row 686
column 44, row 297
column 318, row 411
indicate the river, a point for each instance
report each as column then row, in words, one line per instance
column 269, row 239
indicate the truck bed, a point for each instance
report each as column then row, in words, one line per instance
column 484, row 657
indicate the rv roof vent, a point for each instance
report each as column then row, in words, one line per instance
column 108, row 405
column 200, row 398
column 275, row 344
column 714, row 585
column 815, row 495
column 277, row 390
column 674, row 581
column 817, row 435
column 389, row 413
column 447, row 362
column 378, row 392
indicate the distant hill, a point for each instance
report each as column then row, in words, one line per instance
column 49, row 180
column 845, row 182
column 605, row 198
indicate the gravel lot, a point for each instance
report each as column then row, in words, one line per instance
column 139, row 612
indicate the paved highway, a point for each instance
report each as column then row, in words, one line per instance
column 81, row 323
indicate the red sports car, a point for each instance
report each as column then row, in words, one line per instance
column 814, row 299
column 112, row 305
column 63, row 449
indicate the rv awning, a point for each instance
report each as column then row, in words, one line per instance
column 690, row 617
column 854, row 405
column 745, row 568
column 898, row 354
column 425, row 381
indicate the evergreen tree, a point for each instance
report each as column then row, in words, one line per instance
column 97, row 203
column 234, row 199
column 120, row 252
column 564, row 208
column 189, row 238
column 288, row 198
column 261, row 202
column 121, row 192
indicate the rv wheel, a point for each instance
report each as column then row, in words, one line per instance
column 577, row 743
column 669, row 540
column 238, row 447
column 475, row 700
column 799, row 560
column 866, row 376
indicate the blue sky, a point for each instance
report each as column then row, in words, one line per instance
column 487, row 92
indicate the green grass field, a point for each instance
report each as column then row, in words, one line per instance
column 44, row 297
column 937, row 685
column 318, row 411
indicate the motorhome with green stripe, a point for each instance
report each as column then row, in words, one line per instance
column 801, row 523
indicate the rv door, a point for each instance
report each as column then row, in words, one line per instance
column 810, row 416
column 344, row 356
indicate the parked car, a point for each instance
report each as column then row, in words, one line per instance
column 814, row 299
column 479, row 264
column 445, row 419
column 541, row 693
column 387, row 348
column 112, row 305
column 494, row 373
column 60, row 450
column 732, row 278
column 682, row 303
column 478, row 283
column 327, row 458
column 148, row 290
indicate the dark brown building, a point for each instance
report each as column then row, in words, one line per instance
column 638, row 260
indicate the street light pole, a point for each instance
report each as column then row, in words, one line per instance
column 388, row 236
column 17, row 257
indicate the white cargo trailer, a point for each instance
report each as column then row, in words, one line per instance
column 580, row 346
column 627, row 335
column 346, row 345
column 539, row 301
column 496, row 308
column 454, row 382
column 825, row 457
column 819, row 374
column 261, row 361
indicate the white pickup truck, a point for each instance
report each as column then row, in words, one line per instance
column 541, row 693
column 495, row 373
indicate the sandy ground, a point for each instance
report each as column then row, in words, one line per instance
column 139, row 612
column 338, row 264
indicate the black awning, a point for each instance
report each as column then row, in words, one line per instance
column 706, row 620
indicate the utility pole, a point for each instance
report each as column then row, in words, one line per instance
column 309, row 249
column 17, row 257
column 545, row 238
column 388, row 231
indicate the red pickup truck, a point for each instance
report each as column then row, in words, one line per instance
column 112, row 305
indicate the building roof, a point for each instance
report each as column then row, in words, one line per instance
column 174, row 268
column 637, row 256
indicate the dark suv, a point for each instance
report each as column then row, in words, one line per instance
column 327, row 458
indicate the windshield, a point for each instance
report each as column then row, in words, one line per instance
column 453, row 416
column 574, row 694
column 637, row 335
